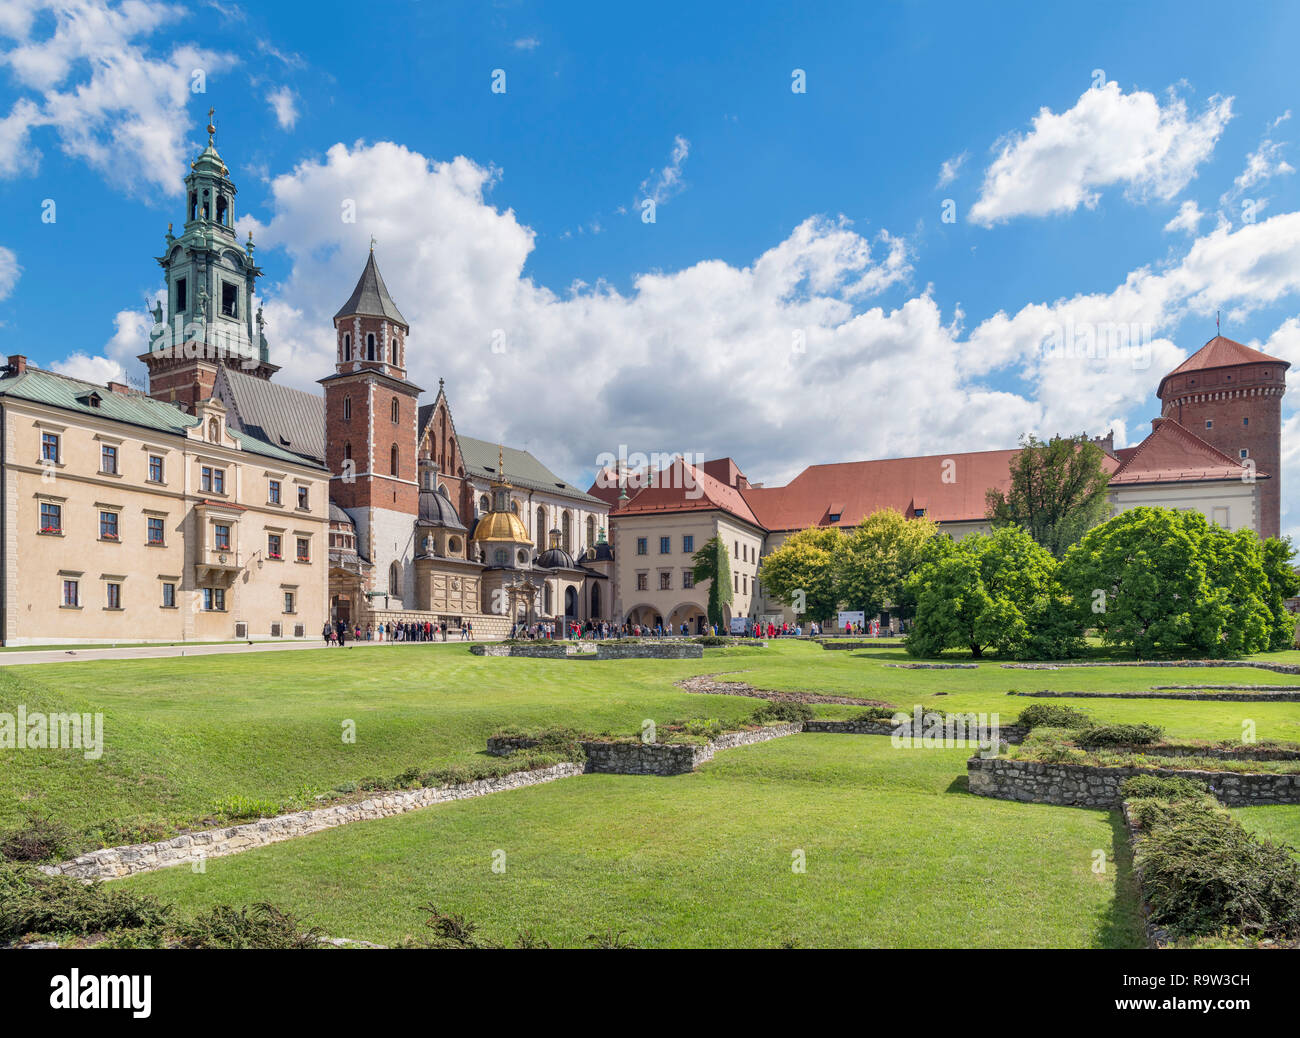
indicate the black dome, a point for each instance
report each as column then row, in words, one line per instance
column 555, row 558
column 437, row 510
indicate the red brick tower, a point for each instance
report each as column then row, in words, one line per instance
column 371, row 432
column 1231, row 396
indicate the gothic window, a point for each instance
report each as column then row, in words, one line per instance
column 591, row 530
column 392, row 460
column 347, row 452
column 395, row 580
column 541, row 528
column 566, row 533
column 370, row 346
column 347, row 346
column 347, row 409
column 396, row 411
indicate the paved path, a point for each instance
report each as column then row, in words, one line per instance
column 150, row 652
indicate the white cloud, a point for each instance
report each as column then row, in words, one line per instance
column 283, row 103
column 1107, row 138
column 526, row 43
column 10, row 271
column 1188, row 219
column 110, row 99
column 661, row 186
column 1264, row 163
column 99, row 370
column 951, row 167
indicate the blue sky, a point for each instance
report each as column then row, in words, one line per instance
column 777, row 213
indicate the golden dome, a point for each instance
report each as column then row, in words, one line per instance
column 502, row 527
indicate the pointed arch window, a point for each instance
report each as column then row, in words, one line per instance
column 392, row 460
column 347, row 409
column 347, row 345
column 347, row 451
column 396, row 411
column 370, row 345
column 395, row 580
column 566, row 532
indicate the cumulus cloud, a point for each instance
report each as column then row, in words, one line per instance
column 99, row 370
column 284, row 104
column 10, row 271
column 1188, row 219
column 1108, row 138
column 111, row 99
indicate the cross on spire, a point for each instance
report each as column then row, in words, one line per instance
column 212, row 127
column 373, row 243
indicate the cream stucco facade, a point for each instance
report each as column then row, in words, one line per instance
column 118, row 533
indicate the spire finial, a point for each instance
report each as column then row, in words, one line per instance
column 212, row 127
column 373, row 243
column 1217, row 331
column 501, row 460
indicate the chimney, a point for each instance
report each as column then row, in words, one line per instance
column 18, row 363
column 119, row 387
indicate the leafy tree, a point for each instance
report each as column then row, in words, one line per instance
column 994, row 593
column 804, row 571
column 878, row 555
column 1057, row 492
column 1163, row 581
column 712, row 563
column 1283, row 583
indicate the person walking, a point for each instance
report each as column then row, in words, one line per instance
column 325, row 633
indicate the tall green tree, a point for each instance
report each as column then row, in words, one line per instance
column 877, row 557
column 1283, row 583
column 1160, row 581
column 804, row 572
column 1057, row 492
column 991, row 593
column 712, row 563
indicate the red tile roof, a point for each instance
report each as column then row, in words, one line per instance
column 1220, row 352
column 1173, row 453
column 681, row 488
column 855, row 489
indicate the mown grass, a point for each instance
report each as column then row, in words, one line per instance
column 183, row 735
column 897, row 855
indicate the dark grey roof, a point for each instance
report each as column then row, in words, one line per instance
column 370, row 298
column 337, row 515
column 522, row 469
column 291, row 419
column 437, row 510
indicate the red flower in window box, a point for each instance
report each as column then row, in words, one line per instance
column 108, row 536
column 51, row 529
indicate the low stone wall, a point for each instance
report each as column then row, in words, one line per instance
column 1009, row 733
column 1277, row 668
column 1083, row 785
column 548, row 650
column 666, row 650
column 633, row 757
column 1221, row 696
column 114, row 862
column 849, row 645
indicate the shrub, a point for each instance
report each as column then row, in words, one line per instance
column 875, row 713
column 38, row 838
column 259, row 926
column 1203, row 873
column 1120, row 735
column 1167, row 788
column 32, row 902
column 1049, row 715
column 782, row 711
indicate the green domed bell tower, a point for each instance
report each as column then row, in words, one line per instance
column 211, row 320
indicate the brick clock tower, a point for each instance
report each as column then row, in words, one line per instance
column 1231, row 396
column 370, row 434
column 210, row 320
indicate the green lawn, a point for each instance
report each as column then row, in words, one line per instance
column 898, row 855
column 182, row 734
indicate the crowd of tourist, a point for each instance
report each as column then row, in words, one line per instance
column 340, row 632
